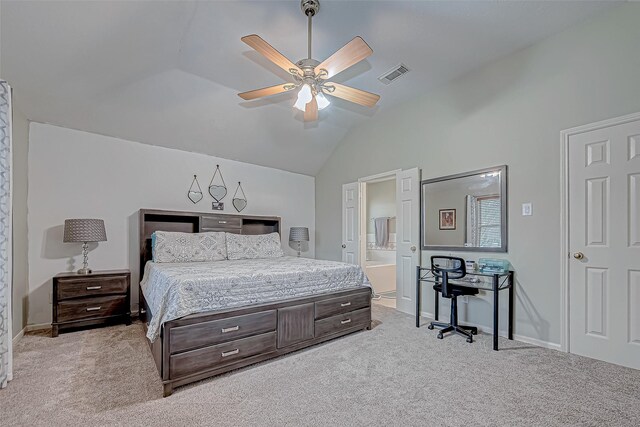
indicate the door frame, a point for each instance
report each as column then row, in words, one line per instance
column 362, row 187
column 564, row 217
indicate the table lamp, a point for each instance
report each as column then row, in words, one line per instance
column 85, row 231
column 299, row 235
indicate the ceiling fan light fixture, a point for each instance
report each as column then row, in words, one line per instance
column 312, row 77
column 322, row 101
column 304, row 97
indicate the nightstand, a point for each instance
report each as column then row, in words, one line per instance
column 102, row 297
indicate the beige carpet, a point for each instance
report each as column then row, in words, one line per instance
column 393, row 375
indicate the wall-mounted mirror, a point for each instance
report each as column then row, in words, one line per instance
column 466, row 212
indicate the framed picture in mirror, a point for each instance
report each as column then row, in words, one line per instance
column 447, row 219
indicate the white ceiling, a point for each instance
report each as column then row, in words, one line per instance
column 168, row 73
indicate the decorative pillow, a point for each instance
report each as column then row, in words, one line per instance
column 241, row 246
column 188, row 247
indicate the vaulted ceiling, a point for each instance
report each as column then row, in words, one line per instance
column 168, row 73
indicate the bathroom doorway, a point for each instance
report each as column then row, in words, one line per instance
column 358, row 236
column 378, row 227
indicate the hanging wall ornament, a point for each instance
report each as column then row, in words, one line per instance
column 219, row 189
column 195, row 192
column 239, row 202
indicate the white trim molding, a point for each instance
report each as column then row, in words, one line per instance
column 564, row 217
column 489, row 330
column 43, row 326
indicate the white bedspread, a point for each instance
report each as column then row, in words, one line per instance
column 174, row 290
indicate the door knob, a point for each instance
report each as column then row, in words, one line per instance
column 413, row 248
column 344, row 246
column 578, row 255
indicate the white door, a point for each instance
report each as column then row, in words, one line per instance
column 604, row 240
column 350, row 220
column 407, row 238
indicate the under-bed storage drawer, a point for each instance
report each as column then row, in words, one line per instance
column 220, row 223
column 335, row 324
column 345, row 304
column 215, row 356
column 217, row 331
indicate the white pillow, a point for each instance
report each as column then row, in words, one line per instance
column 188, row 247
column 241, row 246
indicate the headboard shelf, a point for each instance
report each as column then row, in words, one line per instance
column 152, row 220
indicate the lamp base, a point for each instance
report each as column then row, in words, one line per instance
column 84, row 271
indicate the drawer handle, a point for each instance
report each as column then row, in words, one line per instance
column 225, row 330
column 93, row 308
column 230, row 353
column 93, row 288
column 222, row 222
column 345, row 304
column 344, row 322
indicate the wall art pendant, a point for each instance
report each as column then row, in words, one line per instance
column 219, row 189
column 195, row 192
column 239, row 202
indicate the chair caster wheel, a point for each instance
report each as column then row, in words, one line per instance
column 440, row 336
column 430, row 327
column 469, row 340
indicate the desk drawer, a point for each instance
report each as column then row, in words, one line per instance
column 219, row 355
column 345, row 304
column 84, row 287
column 88, row 308
column 220, row 222
column 331, row 325
column 217, row 331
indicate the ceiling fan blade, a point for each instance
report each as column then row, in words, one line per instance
column 350, row 94
column 266, row 91
column 270, row 53
column 311, row 111
column 350, row 54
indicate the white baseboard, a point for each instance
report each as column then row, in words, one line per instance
column 505, row 334
column 43, row 326
column 537, row 342
column 19, row 336
column 37, row 327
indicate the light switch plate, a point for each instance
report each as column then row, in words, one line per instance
column 527, row 209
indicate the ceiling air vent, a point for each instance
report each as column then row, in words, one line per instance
column 394, row 74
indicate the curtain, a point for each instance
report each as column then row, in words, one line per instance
column 5, row 234
column 471, row 224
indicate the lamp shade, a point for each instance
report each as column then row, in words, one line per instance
column 84, row 230
column 298, row 234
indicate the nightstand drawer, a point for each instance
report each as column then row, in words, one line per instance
column 87, row 308
column 84, row 287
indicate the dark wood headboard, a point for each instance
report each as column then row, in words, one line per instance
column 197, row 222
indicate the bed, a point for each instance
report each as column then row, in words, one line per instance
column 206, row 318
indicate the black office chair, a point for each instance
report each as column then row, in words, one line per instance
column 447, row 268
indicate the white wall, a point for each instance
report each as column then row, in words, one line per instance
column 446, row 199
column 510, row 112
column 20, row 285
column 74, row 174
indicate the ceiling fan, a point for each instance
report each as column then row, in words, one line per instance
column 311, row 76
